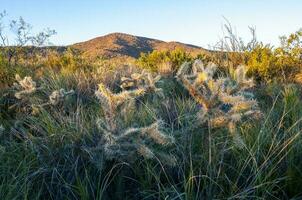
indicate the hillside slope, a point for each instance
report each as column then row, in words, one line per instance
column 125, row 45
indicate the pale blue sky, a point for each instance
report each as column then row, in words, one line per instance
column 190, row 21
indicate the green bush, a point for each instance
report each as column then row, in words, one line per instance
column 156, row 59
column 282, row 64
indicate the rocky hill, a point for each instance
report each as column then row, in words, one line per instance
column 125, row 45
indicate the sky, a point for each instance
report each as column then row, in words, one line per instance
column 197, row 22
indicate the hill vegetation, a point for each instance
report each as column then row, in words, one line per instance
column 125, row 45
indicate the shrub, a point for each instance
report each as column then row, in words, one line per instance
column 281, row 64
column 163, row 61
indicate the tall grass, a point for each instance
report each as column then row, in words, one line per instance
column 54, row 153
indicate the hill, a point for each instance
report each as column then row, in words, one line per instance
column 125, row 45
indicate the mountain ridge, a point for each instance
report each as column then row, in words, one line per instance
column 126, row 45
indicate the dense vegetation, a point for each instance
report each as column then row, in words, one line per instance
column 221, row 126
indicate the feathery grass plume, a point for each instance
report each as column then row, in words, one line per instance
column 224, row 100
column 26, row 85
column 127, row 143
column 57, row 96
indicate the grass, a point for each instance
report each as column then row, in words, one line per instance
column 55, row 154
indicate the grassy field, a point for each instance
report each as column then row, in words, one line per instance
column 94, row 140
